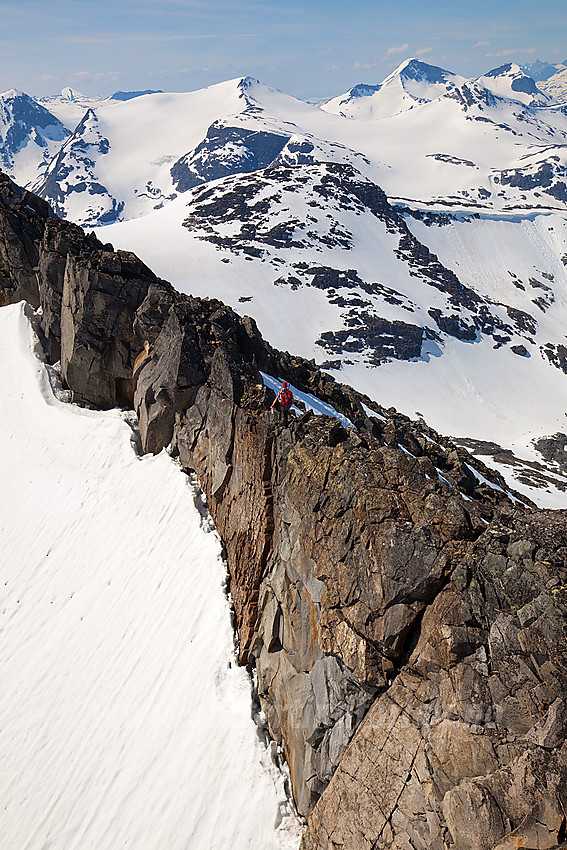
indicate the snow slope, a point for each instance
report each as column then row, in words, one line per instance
column 556, row 86
column 70, row 105
column 125, row 721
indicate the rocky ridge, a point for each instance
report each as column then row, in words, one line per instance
column 404, row 615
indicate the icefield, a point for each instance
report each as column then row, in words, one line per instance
column 125, row 719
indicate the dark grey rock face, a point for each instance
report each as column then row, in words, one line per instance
column 406, row 623
column 388, row 340
column 98, row 343
column 422, row 72
column 22, row 224
column 468, row 95
column 88, row 294
column 549, row 177
column 226, row 150
column 363, row 90
column 525, row 85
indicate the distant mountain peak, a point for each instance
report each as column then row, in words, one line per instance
column 30, row 134
column 415, row 69
column 511, row 80
column 412, row 83
column 12, row 93
column 73, row 95
column 542, row 71
column 503, row 69
column 247, row 83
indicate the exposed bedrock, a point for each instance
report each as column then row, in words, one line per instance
column 405, row 622
column 21, row 226
column 467, row 748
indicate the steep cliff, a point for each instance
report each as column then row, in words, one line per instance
column 404, row 616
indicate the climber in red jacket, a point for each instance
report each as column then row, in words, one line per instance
column 285, row 400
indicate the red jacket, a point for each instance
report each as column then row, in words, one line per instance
column 285, row 398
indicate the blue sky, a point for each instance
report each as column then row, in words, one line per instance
column 312, row 49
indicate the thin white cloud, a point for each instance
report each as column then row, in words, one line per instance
column 423, row 51
column 100, row 75
column 206, row 6
column 358, row 65
column 401, row 49
column 133, row 38
column 527, row 51
column 482, row 44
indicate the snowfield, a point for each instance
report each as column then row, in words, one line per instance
column 125, row 720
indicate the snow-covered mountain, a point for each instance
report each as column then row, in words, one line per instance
column 423, row 232
column 512, row 82
column 29, row 136
column 411, row 83
column 443, row 140
column 125, row 158
column 466, row 147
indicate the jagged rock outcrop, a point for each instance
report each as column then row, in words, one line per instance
column 87, row 292
column 21, row 227
column 467, row 748
column 406, row 623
